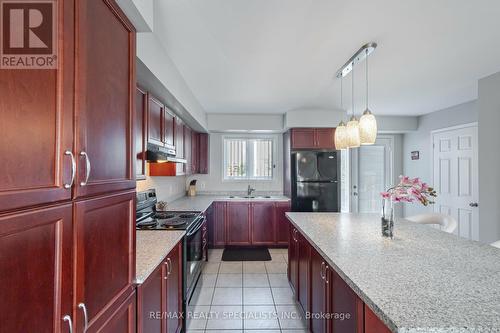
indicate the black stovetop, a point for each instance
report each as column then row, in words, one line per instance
column 165, row 220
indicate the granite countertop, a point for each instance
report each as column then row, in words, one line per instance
column 424, row 280
column 201, row 202
column 152, row 246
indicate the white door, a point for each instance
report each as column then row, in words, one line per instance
column 455, row 165
column 371, row 174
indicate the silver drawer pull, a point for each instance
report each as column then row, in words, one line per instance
column 87, row 168
column 85, row 316
column 169, row 266
column 70, row 322
column 168, row 269
column 321, row 271
column 73, row 170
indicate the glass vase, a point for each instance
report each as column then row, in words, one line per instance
column 387, row 218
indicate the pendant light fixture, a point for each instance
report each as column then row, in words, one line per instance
column 353, row 140
column 367, row 122
column 341, row 130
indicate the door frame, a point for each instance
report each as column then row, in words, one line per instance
column 476, row 157
column 354, row 166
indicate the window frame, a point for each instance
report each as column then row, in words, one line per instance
column 249, row 164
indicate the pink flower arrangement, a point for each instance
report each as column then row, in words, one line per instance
column 410, row 190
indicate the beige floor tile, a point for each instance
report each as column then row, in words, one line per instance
column 207, row 280
column 255, row 280
column 228, row 296
column 257, row 296
column 229, row 280
column 290, row 317
column 278, row 280
column 225, row 317
column 231, row 267
column 283, row 296
column 197, row 317
column 276, row 267
column 215, row 255
column 277, row 257
column 202, row 296
column 211, row 268
column 253, row 267
column 260, row 317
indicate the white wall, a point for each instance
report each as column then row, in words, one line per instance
column 167, row 188
column 213, row 182
column 219, row 122
column 420, row 140
column 489, row 158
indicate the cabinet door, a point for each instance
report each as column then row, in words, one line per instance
column 36, row 270
column 318, row 293
column 149, row 297
column 372, row 324
column 105, row 253
column 173, row 281
column 344, row 300
column 195, row 144
column 36, row 126
column 179, row 145
column 262, row 222
column 293, row 260
column 122, row 319
column 303, row 138
column 155, row 121
column 187, row 150
column 141, row 103
column 203, row 153
column 325, row 138
column 281, row 223
column 238, row 223
column 105, row 81
column 304, row 271
column 219, row 227
column 169, row 129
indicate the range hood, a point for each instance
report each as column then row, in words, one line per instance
column 156, row 153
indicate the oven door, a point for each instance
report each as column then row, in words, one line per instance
column 194, row 254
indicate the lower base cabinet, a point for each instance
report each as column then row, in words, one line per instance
column 159, row 298
column 331, row 305
column 123, row 319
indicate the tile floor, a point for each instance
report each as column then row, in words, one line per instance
column 251, row 296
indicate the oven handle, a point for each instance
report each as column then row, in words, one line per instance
column 197, row 227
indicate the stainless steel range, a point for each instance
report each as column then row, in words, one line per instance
column 147, row 218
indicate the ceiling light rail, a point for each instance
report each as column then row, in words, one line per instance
column 358, row 57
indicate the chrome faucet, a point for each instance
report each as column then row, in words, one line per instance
column 250, row 190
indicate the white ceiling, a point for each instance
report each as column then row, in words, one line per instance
column 271, row 56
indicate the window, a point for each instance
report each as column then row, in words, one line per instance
column 248, row 158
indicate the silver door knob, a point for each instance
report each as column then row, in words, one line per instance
column 474, row 204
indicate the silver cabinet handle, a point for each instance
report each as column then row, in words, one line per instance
column 168, row 269
column 73, row 170
column 70, row 322
column 326, row 275
column 474, row 204
column 169, row 266
column 87, row 168
column 85, row 316
column 321, row 270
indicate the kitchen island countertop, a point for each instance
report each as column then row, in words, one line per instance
column 424, row 280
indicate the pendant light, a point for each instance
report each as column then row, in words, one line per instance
column 353, row 140
column 341, row 130
column 367, row 122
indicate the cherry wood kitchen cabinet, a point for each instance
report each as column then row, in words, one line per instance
column 372, row 324
column 203, row 153
column 188, row 150
column 179, row 145
column 36, row 126
column 105, row 82
column 320, row 293
column 155, row 121
column 105, row 254
column 262, row 222
column 159, row 304
column 303, row 271
column 293, row 260
column 219, row 224
column 122, row 319
column 281, row 223
column 168, row 129
column 36, row 264
column 238, row 223
column 344, row 300
column 312, row 138
column 141, row 104
column 195, row 157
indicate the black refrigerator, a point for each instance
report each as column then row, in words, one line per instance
column 315, row 181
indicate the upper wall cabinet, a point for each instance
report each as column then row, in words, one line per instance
column 179, row 145
column 155, row 121
column 168, row 129
column 203, row 149
column 105, row 82
column 312, row 138
column 36, row 126
column 141, row 104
